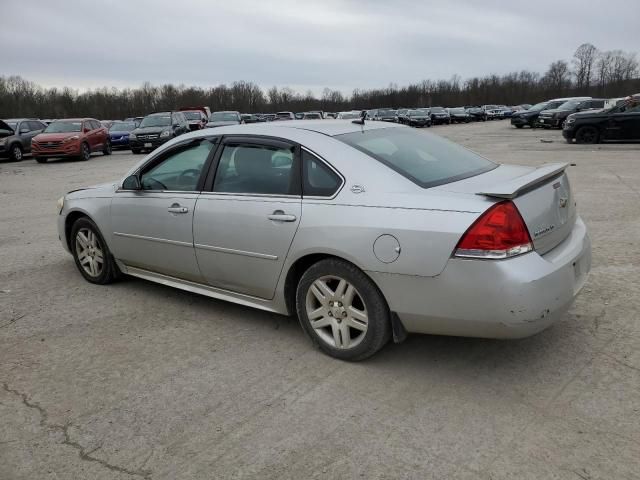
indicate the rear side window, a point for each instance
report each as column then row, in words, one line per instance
column 426, row 160
column 36, row 126
column 318, row 180
column 257, row 169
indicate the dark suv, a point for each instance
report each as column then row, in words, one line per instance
column 156, row 129
column 620, row 123
column 530, row 117
column 16, row 135
column 555, row 118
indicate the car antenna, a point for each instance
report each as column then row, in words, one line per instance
column 360, row 121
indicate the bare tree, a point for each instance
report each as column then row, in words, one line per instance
column 558, row 77
column 583, row 63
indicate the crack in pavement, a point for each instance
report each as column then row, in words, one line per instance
column 64, row 429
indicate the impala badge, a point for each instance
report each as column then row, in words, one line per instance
column 563, row 202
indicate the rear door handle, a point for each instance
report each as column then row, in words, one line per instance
column 176, row 208
column 280, row 216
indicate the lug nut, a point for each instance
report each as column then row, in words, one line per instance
column 344, row 314
column 330, row 314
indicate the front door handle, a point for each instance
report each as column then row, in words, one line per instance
column 280, row 216
column 176, row 208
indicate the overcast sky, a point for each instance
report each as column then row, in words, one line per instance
column 303, row 44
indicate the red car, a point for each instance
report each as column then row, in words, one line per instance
column 73, row 137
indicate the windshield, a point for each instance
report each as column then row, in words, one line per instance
column 156, row 121
column 386, row 113
column 122, row 127
column 192, row 115
column 539, row 106
column 426, row 160
column 457, row 110
column 416, row 113
column 437, row 109
column 223, row 117
column 64, row 127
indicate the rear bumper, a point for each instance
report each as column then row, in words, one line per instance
column 512, row 298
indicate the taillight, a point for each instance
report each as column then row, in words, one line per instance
column 499, row 233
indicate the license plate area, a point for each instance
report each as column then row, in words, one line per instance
column 148, row 145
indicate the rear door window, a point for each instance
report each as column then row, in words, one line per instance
column 426, row 160
column 253, row 168
column 318, row 180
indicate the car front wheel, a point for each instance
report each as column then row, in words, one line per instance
column 342, row 310
column 16, row 153
column 91, row 253
column 587, row 135
column 107, row 148
column 85, row 152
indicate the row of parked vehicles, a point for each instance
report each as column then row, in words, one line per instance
column 586, row 119
column 582, row 119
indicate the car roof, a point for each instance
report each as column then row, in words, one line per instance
column 19, row 119
column 74, row 119
column 324, row 127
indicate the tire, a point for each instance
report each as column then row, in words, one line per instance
column 88, row 247
column 136, row 151
column 519, row 126
column 85, row 152
column 587, row 134
column 15, row 153
column 41, row 159
column 108, row 149
column 353, row 331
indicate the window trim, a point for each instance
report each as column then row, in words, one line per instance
column 328, row 165
column 264, row 140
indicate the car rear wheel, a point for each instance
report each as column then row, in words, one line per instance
column 107, row 148
column 16, row 153
column 85, row 152
column 587, row 135
column 91, row 254
column 342, row 310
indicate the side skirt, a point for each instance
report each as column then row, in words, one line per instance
column 217, row 293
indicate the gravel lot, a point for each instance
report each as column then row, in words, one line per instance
column 140, row 380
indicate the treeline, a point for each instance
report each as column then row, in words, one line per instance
column 590, row 72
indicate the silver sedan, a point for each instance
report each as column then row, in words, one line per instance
column 366, row 231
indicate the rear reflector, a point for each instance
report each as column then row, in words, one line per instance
column 499, row 233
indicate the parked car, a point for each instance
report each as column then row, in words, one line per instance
column 205, row 110
column 269, row 117
column 530, row 117
column 417, row 118
column 107, row 123
column 156, row 129
column 401, row 115
column 299, row 115
column 477, row 114
column 222, row 119
column 285, row 116
column 312, row 116
column 555, row 118
column 16, row 135
column 492, row 112
column 506, row 112
column 367, row 232
column 459, row 115
column 119, row 134
column 330, row 115
column 619, row 123
column 386, row 115
column 73, row 137
column 439, row 116
column 196, row 119
column 135, row 120
column 352, row 115
column 249, row 118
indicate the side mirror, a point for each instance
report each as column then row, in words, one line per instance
column 132, row 182
column 176, row 125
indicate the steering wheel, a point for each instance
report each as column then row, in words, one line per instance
column 189, row 173
column 151, row 180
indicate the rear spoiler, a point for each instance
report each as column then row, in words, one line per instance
column 518, row 185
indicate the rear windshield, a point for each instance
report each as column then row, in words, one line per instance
column 192, row 115
column 63, row 127
column 122, row 127
column 426, row 160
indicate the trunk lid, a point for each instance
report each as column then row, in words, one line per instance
column 543, row 197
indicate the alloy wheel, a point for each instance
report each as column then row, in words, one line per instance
column 89, row 252
column 17, row 153
column 336, row 312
